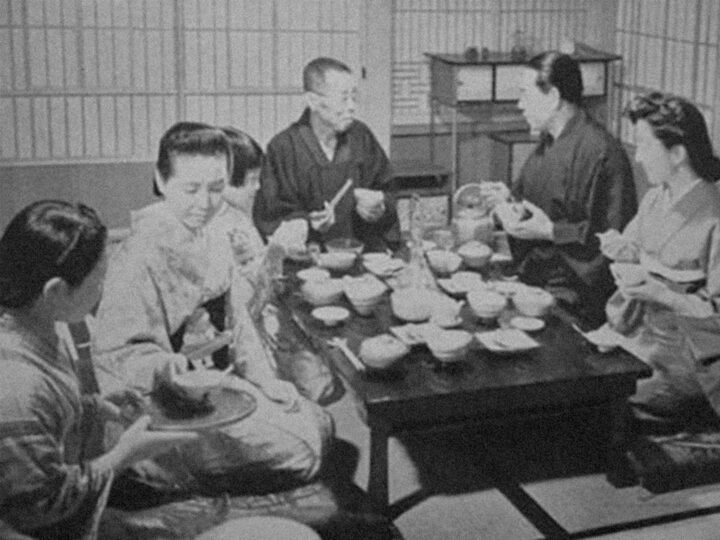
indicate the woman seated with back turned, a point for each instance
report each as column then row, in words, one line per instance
column 174, row 262
column 52, row 265
column 675, row 237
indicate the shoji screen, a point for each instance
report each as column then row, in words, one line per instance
column 671, row 45
column 100, row 80
column 244, row 58
column 85, row 80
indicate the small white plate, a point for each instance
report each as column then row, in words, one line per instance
column 413, row 334
column 314, row 273
column 604, row 338
column 508, row 341
column 528, row 324
column 447, row 323
column 330, row 315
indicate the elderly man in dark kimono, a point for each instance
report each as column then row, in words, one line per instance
column 309, row 163
column 577, row 183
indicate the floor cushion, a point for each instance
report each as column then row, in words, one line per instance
column 334, row 510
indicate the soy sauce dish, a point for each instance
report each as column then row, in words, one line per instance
column 330, row 315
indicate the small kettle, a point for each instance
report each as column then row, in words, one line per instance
column 471, row 215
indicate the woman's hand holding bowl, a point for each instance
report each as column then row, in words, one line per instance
column 650, row 290
column 617, row 248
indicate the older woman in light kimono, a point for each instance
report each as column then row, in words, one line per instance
column 174, row 262
column 675, row 237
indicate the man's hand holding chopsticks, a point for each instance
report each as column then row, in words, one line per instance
column 322, row 220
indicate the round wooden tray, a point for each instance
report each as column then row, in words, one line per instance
column 229, row 406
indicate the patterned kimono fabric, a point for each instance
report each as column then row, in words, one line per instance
column 156, row 281
column 680, row 245
column 47, row 489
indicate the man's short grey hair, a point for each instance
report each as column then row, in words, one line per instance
column 314, row 72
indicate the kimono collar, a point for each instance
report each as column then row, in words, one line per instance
column 158, row 222
column 679, row 213
column 547, row 139
column 49, row 350
column 572, row 123
column 342, row 150
column 680, row 193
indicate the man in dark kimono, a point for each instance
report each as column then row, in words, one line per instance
column 578, row 182
column 309, row 163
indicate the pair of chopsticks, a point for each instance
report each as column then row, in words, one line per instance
column 339, row 195
column 686, row 440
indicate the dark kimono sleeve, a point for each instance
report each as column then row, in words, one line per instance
column 278, row 198
column 611, row 200
column 378, row 175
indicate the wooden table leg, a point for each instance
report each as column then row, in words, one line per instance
column 378, row 480
column 618, row 470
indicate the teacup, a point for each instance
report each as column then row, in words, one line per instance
column 368, row 197
column 486, row 305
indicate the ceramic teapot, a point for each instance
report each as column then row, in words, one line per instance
column 471, row 215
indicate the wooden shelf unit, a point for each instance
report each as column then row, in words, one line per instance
column 457, row 83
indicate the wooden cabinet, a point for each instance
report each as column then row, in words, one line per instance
column 457, row 82
column 508, row 152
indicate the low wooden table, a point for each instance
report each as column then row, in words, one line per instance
column 564, row 375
